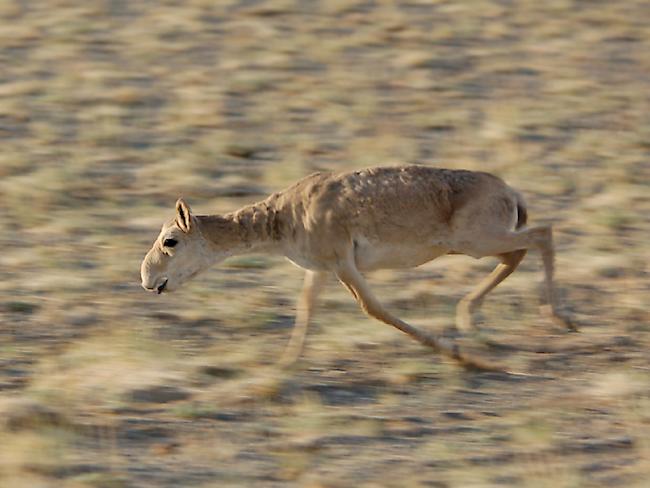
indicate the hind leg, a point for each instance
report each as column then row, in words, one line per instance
column 552, row 308
column 348, row 274
column 468, row 304
column 541, row 238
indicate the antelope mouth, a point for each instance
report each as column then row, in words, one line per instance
column 162, row 287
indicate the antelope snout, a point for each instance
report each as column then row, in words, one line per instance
column 159, row 286
column 147, row 285
column 150, row 277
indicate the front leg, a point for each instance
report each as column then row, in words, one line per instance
column 312, row 286
column 352, row 279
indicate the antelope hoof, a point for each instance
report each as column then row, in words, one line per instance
column 558, row 318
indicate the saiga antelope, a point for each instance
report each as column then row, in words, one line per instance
column 346, row 223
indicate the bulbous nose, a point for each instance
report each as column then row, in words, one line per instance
column 153, row 272
column 159, row 287
column 148, row 286
column 148, row 275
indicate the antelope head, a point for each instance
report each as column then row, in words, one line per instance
column 179, row 253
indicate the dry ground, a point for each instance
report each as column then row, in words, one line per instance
column 111, row 109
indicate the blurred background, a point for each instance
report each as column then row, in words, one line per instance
column 110, row 110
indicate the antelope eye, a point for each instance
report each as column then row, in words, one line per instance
column 170, row 242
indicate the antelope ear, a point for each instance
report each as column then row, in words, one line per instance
column 183, row 215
